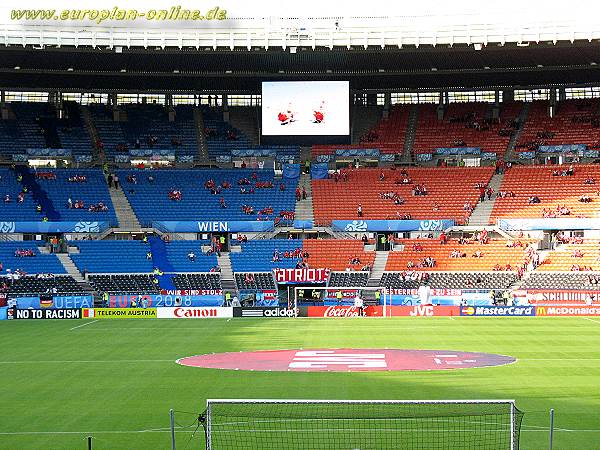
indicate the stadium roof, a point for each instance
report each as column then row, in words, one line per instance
column 187, row 69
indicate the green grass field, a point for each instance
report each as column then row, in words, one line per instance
column 117, row 379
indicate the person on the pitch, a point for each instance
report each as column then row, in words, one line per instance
column 359, row 304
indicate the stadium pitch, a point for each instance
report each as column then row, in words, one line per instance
column 116, row 380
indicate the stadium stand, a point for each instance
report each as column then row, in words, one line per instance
column 338, row 254
column 85, row 185
column 553, row 190
column 32, row 260
column 472, row 256
column 255, row 280
column 583, row 256
column 259, row 255
column 348, row 279
column 14, row 210
column 147, row 127
column 112, row 256
column 573, row 122
column 150, row 199
column 465, row 125
column 198, row 281
column 562, row 281
column 446, row 194
column 450, row 280
column 33, row 285
column 126, row 284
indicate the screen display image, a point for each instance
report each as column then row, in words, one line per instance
column 305, row 108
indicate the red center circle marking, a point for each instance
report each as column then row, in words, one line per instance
column 346, row 360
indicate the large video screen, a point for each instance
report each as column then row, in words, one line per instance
column 305, row 108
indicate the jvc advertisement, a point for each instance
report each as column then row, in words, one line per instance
column 497, row 311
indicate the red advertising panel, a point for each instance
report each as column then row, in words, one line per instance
column 567, row 310
column 377, row 311
column 344, row 311
column 301, row 275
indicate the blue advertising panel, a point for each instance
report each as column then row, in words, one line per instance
column 158, row 300
column 216, row 226
column 498, row 311
column 391, row 225
column 57, row 302
column 53, row 227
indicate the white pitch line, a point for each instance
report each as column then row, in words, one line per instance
column 591, row 320
column 83, row 325
column 89, row 361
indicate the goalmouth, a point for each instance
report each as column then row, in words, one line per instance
column 362, row 424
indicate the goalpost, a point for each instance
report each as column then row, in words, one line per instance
column 385, row 298
column 362, row 424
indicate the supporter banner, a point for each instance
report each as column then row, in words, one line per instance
column 489, row 155
column 319, row 159
column 119, row 313
column 159, row 300
column 357, row 153
column 265, row 312
column 526, row 155
column 291, row 171
column 151, row 152
column 254, row 152
column 53, row 227
column 550, row 297
column 343, row 311
column 362, row 226
column 458, row 151
column 214, row 226
column 549, row 224
column 194, row 313
column 591, row 154
column 191, row 292
column 303, row 224
column 497, row 311
column 301, row 275
column 387, row 157
column 56, row 302
column 567, row 310
column 48, row 152
column 45, row 314
column 424, row 311
column 424, row 156
column 562, row 148
column 319, row 170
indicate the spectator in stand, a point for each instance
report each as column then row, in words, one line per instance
column 443, row 238
column 191, row 256
column 298, row 194
column 304, row 195
column 359, row 210
column 489, row 191
column 482, row 193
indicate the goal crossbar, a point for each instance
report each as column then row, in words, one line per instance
column 385, row 297
column 336, row 424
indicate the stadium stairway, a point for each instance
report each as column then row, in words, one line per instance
column 161, row 261
column 304, row 208
column 227, row 279
column 201, row 139
column 516, row 136
column 125, row 215
column 483, row 210
column 39, row 195
column 244, row 118
column 411, row 129
column 70, row 266
column 378, row 268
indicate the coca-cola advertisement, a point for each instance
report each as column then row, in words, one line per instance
column 344, row 311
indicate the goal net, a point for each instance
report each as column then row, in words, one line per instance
column 362, row 425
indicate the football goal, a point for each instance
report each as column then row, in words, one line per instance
column 362, row 425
